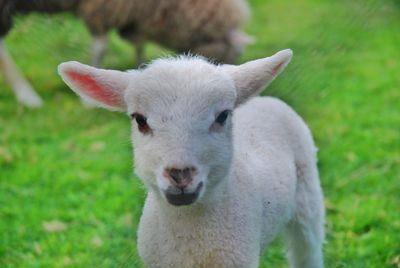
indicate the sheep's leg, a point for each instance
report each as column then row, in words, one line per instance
column 139, row 49
column 23, row 91
column 218, row 50
column 138, row 42
column 98, row 49
column 129, row 34
column 305, row 232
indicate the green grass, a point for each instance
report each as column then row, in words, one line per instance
column 74, row 165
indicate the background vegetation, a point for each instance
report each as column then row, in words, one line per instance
column 68, row 196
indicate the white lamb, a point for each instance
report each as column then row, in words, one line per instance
column 225, row 172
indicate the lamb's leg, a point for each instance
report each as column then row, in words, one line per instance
column 23, row 91
column 305, row 232
column 304, row 244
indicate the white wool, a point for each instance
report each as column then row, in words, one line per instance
column 258, row 170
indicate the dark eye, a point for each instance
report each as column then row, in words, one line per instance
column 221, row 118
column 141, row 122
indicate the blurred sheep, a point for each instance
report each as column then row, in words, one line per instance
column 206, row 27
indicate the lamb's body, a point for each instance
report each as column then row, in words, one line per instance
column 273, row 172
column 220, row 187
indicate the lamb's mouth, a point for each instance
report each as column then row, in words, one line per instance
column 182, row 198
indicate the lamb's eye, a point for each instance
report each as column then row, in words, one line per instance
column 221, row 118
column 141, row 122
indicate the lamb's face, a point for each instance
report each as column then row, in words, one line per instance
column 181, row 116
column 181, row 128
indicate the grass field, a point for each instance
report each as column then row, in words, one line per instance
column 68, row 196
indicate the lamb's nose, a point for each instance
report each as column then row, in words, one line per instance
column 180, row 177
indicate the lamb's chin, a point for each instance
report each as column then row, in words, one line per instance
column 181, row 198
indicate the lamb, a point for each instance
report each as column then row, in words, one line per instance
column 207, row 27
column 225, row 171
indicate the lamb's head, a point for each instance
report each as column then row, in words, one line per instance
column 181, row 112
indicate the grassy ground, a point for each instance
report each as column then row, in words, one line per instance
column 67, row 193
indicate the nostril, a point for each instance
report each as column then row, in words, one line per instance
column 175, row 174
column 180, row 177
column 189, row 171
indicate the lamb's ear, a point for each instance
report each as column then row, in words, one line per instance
column 102, row 87
column 251, row 77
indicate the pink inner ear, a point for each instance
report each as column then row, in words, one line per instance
column 94, row 90
column 276, row 69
